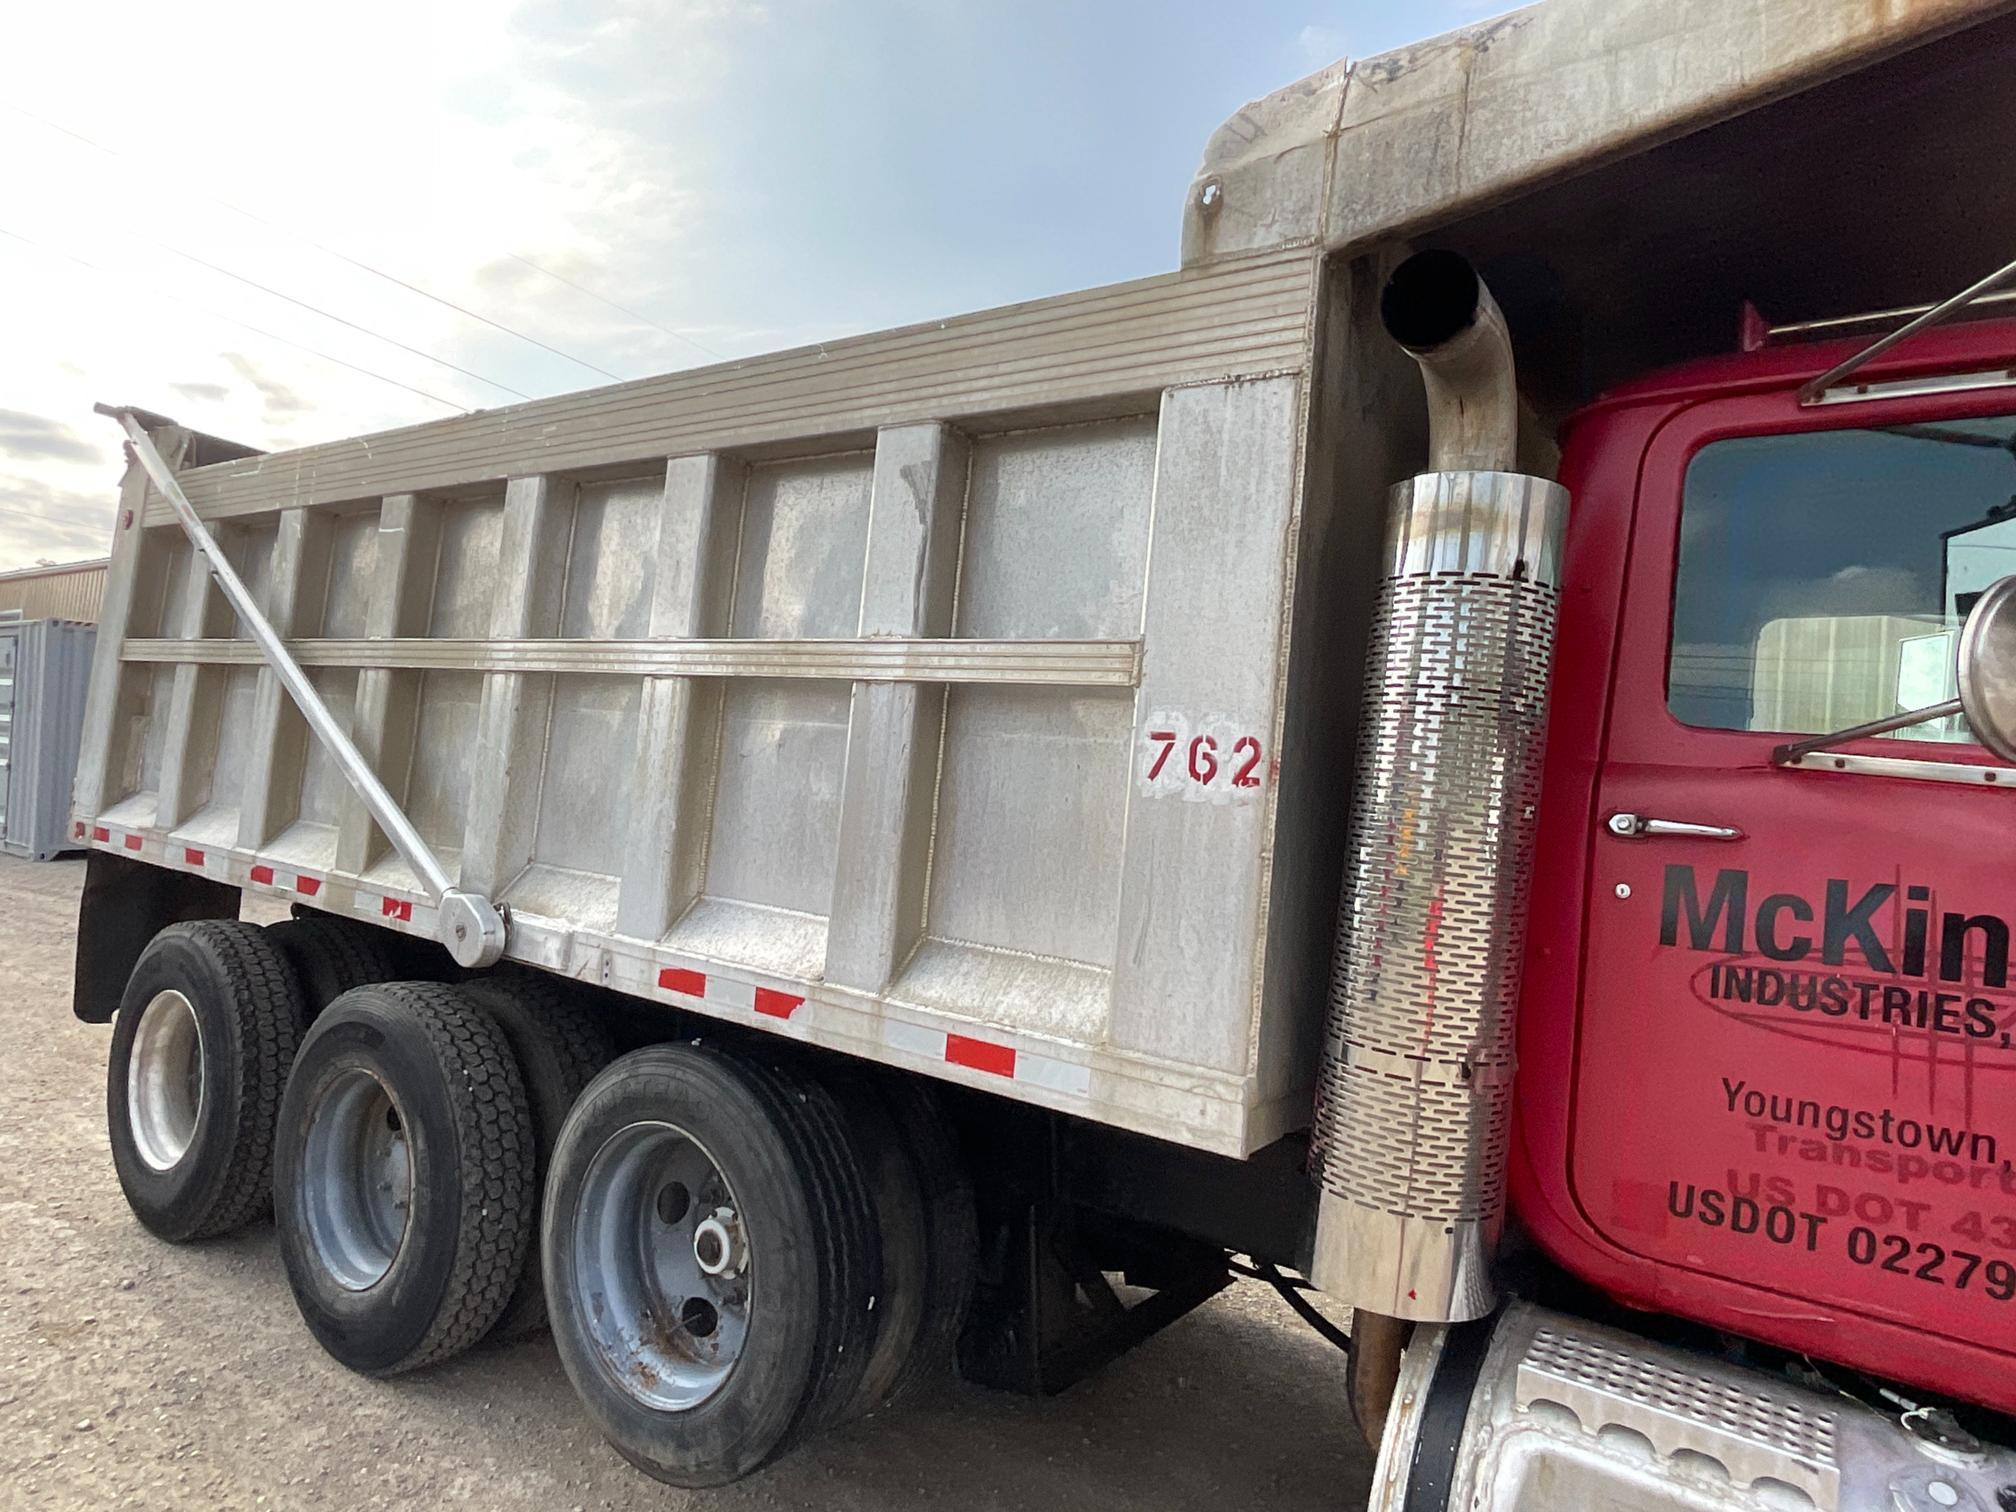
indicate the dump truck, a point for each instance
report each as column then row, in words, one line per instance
column 1441, row 755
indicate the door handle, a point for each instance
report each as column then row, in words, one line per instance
column 1638, row 827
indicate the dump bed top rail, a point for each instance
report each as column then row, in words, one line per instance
column 1117, row 346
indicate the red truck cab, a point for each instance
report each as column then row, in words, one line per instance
column 1766, row 1075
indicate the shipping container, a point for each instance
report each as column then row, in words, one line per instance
column 45, row 672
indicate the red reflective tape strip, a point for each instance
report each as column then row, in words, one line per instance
column 775, row 1004
column 396, row 908
column 679, row 979
column 999, row 1060
column 191, row 856
column 262, row 874
column 308, row 886
column 99, row 832
column 132, row 842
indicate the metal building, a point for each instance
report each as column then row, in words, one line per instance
column 67, row 591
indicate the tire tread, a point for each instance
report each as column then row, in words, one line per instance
column 812, row 1121
column 493, row 1142
column 581, row 1045
column 952, row 1238
column 576, row 1046
column 265, row 1015
column 349, row 955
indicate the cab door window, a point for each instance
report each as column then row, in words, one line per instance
column 1823, row 576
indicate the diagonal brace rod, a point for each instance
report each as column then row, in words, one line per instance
column 470, row 926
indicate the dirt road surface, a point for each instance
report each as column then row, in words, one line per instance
column 135, row 1373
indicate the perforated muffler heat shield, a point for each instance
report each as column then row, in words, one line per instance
column 1414, row 1096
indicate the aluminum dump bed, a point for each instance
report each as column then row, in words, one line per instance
column 917, row 696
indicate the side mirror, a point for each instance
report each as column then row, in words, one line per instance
column 1987, row 669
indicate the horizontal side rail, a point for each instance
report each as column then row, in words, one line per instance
column 1091, row 664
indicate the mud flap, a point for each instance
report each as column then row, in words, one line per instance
column 125, row 904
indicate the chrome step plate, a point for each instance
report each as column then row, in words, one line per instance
column 1753, row 1434
column 1567, row 1414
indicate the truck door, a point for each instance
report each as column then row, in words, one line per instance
column 1795, row 1092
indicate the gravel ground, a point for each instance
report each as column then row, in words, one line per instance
column 134, row 1373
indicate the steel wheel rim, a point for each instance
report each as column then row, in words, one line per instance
column 662, row 1278
column 164, row 1080
column 356, row 1179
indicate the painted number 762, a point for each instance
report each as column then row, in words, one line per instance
column 1207, row 760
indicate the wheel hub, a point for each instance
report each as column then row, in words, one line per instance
column 662, row 1267
column 164, row 1080
column 718, row 1246
column 357, row 1179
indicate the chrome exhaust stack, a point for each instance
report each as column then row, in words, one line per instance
column 1414, row 1096
column 1438, row 309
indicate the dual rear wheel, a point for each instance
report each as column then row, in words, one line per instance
column 737, row 1256
column 403, row 1179
column 737, row 1249
column 206, row 1032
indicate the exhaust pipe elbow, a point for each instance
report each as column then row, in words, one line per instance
column 1436, row 307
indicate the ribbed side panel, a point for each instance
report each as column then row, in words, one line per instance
column 1238, row 319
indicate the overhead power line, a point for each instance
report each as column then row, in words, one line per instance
column 22, row 512
column 231, row 319
column 253, row 283
column 694, row 342
column 14, row 512
column 428, row 294
column 329, row 251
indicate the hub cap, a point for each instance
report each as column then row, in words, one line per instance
column 164, row 1080
column 356, row 1179
column 662, row 1267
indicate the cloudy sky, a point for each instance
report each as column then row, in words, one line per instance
column 235, row 213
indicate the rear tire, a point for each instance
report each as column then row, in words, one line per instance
column 896, row 1191
column 403, row 1180
column 560, row 1048
column 951, row 1234
column 330, row 956
column 206, row 1030
column 699, row 1379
